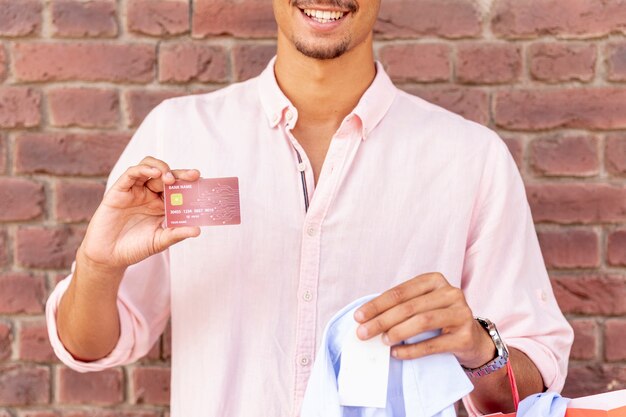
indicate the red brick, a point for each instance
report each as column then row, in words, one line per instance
column 585, row 339
column 84, row 107
column 201, row 89
column 97, row 412
column 186, row 62
column 39, row 247
column 588, row 108
column 615, row 154
column 3, row 63
column 20, row 18
column 575, row 156
column 19, row 107
column 485, row 63
column 241, row 18
column 4, row 150
column 105, row 387
column 6, row 340
column 410, row 18
column 532, row 18
column 570, row 249
column 21, row 293
column 67, row 153
column 616, row 61
column 616, row 251
column 141, row 102
column 151, row 385
column 250, row 60
column 56, row 278
column 555, row 62
column 417, row 62
column 79, row 19
column 568, row 203
column 583, row 380
column 158, row 17
column 40, row 61
column 39, row 413
column 77, row 201
column 22, row 199
column 4, row 249
column 24, row 385
column 591, row 294
column 34, row 343
column 516, row 148
column 471, row 103
column 615, row 340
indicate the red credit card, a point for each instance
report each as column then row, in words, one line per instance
column 206, row 202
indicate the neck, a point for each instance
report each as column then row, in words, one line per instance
column 324, row 91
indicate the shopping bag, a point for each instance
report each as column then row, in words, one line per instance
column 609, row 404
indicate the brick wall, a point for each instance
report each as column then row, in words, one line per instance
column 77, row 77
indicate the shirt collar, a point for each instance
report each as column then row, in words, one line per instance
column 370, row 110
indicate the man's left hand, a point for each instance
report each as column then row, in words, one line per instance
column 426, row 302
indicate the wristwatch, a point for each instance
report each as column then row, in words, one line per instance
column 502, row 352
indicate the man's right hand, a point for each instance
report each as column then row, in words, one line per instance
column 128, row 227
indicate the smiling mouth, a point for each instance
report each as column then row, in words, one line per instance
column 323, row 16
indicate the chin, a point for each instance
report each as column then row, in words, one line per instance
column 323, row 52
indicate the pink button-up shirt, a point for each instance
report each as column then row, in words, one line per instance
column 406, row 188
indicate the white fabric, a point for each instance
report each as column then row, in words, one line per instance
column 424, row 387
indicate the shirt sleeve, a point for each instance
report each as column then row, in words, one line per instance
column 143, row 300
column 504, row 276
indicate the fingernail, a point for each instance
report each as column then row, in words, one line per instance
column 386, row 339
column 394, row 353
column 361, row 332
column 359, row 316
column 169, row 176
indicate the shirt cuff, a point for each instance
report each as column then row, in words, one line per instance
column 120, row 355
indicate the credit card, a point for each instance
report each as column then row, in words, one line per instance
column 206, row 202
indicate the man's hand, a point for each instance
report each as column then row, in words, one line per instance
column 127, row 227
column 426, row 302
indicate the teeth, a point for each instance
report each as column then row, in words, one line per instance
column 323, row 16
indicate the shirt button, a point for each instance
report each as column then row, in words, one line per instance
column 311, row 231
column 301, row 167
column 289, row 115
column 307, row 296
column 304, row 360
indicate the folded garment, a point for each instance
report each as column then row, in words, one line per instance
column 546, row 404
column 423, row 387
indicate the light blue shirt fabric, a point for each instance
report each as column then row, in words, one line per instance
column 547, row 404
column 424, row 387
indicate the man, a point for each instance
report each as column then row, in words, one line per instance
column 348, row 187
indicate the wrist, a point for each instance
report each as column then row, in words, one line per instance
column 498, row 360
column 485, row 348
column 87, row 266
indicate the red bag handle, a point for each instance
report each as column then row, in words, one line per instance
column 513, row 384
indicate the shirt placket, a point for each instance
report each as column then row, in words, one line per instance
column 340, row 153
